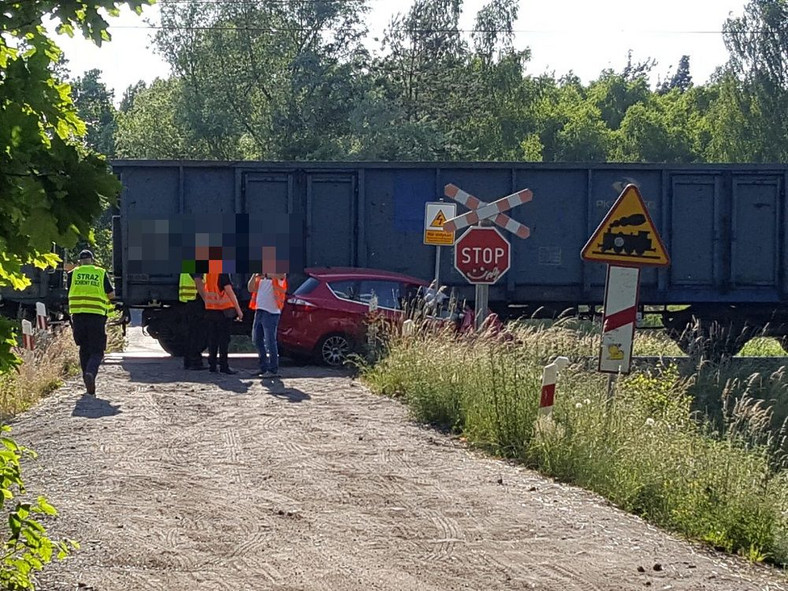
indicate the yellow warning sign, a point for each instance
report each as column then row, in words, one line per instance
column 435, row 215
column 627, row 236
column 439, row 220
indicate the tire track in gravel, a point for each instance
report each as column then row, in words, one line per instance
column 448, row 533
column 233, row 454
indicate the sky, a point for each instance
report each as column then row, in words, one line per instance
column 581, row 36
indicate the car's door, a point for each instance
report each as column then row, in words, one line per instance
column 347, row 312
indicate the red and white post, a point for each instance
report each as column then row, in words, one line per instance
column 42, row 321
column 28, row 340
column 620, row 316
column 549, row 378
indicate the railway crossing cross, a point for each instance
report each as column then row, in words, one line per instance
column 481, row 210
column 482, row 213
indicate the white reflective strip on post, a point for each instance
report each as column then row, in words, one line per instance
column 549, row 378
column 41, row 316
column 28, row 342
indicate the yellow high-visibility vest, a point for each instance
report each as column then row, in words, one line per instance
column 86, row 294
column 187, row 289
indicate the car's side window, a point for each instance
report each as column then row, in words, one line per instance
column 345, row 290
column 388, row 293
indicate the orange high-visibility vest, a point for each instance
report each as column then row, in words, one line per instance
column 215, row 299
column 280, row 293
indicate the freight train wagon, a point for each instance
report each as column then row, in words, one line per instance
column 723, row 226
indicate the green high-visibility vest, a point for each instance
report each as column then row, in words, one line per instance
column 187, row 290
column 86, row 294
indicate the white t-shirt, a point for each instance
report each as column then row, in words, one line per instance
column 265, row 296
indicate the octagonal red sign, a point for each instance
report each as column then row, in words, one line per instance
column 482, row 255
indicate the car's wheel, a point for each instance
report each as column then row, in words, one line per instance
column 333, row 350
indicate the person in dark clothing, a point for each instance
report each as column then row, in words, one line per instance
column 221, row 308
column 89, row 295
column 192, row 295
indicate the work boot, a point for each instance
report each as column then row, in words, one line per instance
column 90, row 383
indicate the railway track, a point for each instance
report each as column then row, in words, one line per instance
column 750, row 363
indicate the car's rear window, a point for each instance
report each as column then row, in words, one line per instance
column 307, row 286
column 345, row 290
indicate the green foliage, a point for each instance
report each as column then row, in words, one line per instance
column 93, row 102
column 756, row 94
column 256, row 80
column 150, row 128
column 27, row 548
column 51, row 189
column 646, row 450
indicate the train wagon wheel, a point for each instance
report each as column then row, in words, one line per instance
column 174, row 346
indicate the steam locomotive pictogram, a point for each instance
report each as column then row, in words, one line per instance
column 636, row 243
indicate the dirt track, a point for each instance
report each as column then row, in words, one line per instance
column 313, row 483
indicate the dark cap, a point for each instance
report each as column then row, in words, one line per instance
column 85, row 254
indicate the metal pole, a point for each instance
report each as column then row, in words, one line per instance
column 611, row 384
column 482, row 303
column 482, row 294
column 437, row 267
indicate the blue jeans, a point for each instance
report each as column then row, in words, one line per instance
column 264, row 336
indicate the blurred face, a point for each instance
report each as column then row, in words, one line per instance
column 272, row 265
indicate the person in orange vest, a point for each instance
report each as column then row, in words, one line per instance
column 268, row 298
column 221, row 308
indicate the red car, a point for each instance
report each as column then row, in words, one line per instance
column 324, row 318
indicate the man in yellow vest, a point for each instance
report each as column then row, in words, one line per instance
column 191, row 292
column 89, row 301
column 268, row 298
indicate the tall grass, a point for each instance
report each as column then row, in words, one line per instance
column 41, row 372
column 646, row 451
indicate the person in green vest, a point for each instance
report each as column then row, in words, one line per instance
column 191, row 293
column 90, row 292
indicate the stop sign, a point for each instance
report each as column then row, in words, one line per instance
column 482, row 255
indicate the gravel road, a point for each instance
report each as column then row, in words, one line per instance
column 175, row 480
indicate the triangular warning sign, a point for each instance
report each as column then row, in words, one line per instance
column 627, row 236
column 439, row 220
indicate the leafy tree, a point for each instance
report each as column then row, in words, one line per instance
column 614, row 93
column 681, row 80
column 130, row 94
column 45, row 175
column 755, row 83
column 264, row 79
column 648, row 133
column 151, row 126
column 93, row 101
column 51, row 188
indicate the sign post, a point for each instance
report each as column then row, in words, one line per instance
column 435, row 215
column 626, row 240
column 482, row 255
